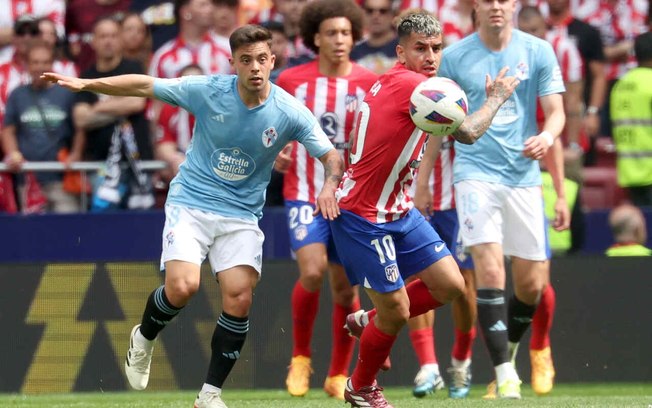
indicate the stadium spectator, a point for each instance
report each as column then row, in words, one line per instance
column 457, row 20
column 290, row 15
column 563, row 23
column 81, row 16
column 377, row 51
column 160, row 19
column 116, row 128
column 498, row 181
column 279, row 48
column 225, row 20
column 432, row 6
column 631, row 111
column 193, row 45
column 14, row 10
column 136, row 39
column 174, row 131
column 618, row 21
column 229, row 202
column 378, row 234
column 48, row 33
column 332, row 87
column 629, row 232
column 37, row 125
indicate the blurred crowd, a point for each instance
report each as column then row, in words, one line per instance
column 595, row 41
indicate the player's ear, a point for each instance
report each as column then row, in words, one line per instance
column 317, row 40
column 400, row 53
column 273, row 61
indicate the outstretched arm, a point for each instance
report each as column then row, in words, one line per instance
column 477, row 123
column 333, row 171
column 120, row 85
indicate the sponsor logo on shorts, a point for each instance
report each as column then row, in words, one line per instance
column 169, row 238
column 391, row 272
column 438, row 248
column 300, row 232
column 259, row 259
column 468, row 224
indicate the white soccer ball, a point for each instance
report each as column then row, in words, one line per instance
column 438, row 106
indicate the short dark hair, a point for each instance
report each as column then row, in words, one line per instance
column 528, row 12
column 228, row 3
column 274, row 26
column 418, row 21
column 26, row 23
column 177, row 9
column 249, row 34
column 643, row 47
column 315, row 12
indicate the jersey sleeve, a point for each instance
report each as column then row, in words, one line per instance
column 310, row 134
column 180, row 91
column 550, row 79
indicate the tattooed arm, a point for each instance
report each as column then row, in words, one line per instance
column 333, row 171
column 476, row 124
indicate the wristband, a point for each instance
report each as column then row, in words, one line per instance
column 547, row 136
column 592, row 110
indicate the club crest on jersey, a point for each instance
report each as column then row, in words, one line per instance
column 351, row 103
column 269, row 137
column 391, row 272
column 522, row 71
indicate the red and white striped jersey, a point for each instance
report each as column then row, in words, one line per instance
column 617, row 22
column 65, row 67
column 570, row 60
column 432, row 6
column 441, row 178
column 55, row 10
column 175, row 55
column 454, row 24
column 175, row 125
column 334, row 101
column 11, row 77
column 385, row 150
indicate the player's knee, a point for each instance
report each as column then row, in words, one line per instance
column 312, row 278
column 180, row 291
column 237, row 303
column 343, row 295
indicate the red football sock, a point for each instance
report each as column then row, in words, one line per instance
column 304, row 311
column 421, row 300
column 542, row 320
column 342, row 348
column 423, row 342
column 374, row 349
column 463, row 344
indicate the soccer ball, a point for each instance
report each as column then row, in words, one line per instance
column 438, row 106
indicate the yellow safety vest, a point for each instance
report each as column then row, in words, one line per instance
column 629, row 250
column 631, row 115
column 560, row 241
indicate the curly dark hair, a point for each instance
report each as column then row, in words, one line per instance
column 317, row 11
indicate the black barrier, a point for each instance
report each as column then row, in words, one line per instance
column 66, row 326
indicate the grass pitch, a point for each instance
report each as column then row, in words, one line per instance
column 564, row 395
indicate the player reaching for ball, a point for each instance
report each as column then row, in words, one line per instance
column 379, row 237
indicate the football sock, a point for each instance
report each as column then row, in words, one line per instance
column 519, row 317
column 491, row 317
column 158, row 313
column 342, row 348
column 463, row 344
column 304, row 312
column 374, row 348
column 542, row 320
column 228, row 338
column 421, row 300
column 423, row 342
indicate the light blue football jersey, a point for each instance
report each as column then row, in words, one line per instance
column 498, row 155
column 230, row 157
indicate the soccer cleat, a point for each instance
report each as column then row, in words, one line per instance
column 353, row 324
column 510, row 389
column 210, row 399
column 491, row 391
column 137, row 363
column 427, row 382
column 460, row 384
column 543, row 372
column 370, row 396
column 334, row 386
column 298, row 380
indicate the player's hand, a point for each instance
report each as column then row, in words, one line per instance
column 591, row 124
column 502, row 87
column 284, row 159
column 14, row 161
column 327, row 204
column 562, row 215
column 423, row 201
column 535, row 147
column 70, row 83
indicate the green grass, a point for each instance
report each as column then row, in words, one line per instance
column 564, row 395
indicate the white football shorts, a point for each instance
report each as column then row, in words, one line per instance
column 190, row 235
column 496, row 213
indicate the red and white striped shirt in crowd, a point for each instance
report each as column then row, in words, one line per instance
column 570, row 60
column 455, row 25
column 617, row 21
column 334, row 101
column 432, row 6
column 385, row 150
column 441, row 178
column 11, row 77
column 175, row 55
column 65, row 67
column 175, row 125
